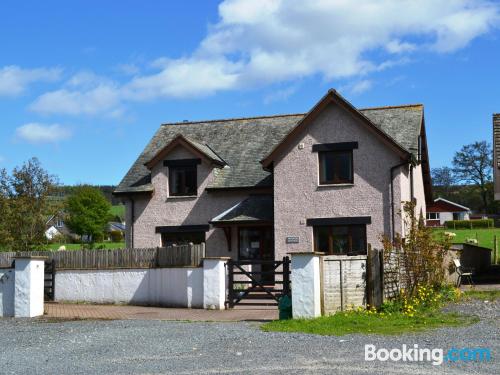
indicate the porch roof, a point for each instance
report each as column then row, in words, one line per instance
column 255, row 208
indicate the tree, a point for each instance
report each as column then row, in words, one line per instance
column 474, row 164
column 88, row 212
column 23, row 203
column 444, row 178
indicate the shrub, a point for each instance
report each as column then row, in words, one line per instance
column 469, row 224
column 116, row 236
column 418, row 259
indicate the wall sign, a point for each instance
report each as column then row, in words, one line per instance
column 292, row 240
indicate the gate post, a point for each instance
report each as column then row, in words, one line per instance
column 306, row 286
column 28, row 286
column 214, row 283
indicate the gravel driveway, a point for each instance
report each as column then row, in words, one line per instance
column 153, row 347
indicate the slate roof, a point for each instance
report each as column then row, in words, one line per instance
column 243, row 142
column 254, row 208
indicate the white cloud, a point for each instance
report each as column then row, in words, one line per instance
column 263, row 42
column 42, row 133
column 84, row 93
column 361, row 87
column 15, row 80
column 268, row 41
column 281, row 94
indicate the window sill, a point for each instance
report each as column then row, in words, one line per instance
column 335, row 185
column 174, row 197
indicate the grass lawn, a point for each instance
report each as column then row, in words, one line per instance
column 352, row 322
column 77, row 246
column 489, row 295
column 484, row 236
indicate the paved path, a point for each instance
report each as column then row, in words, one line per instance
column 125, row 312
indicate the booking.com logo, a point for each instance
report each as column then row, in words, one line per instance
column 436, row 356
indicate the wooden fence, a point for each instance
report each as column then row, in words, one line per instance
column 160, row 257
column 351, row 281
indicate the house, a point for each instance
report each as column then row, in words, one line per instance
column 442, row 210
column 56, row 226
column 332, row 180
column 496, row 155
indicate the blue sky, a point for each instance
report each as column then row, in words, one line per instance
column 85, row 84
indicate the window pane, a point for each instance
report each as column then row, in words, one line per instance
column 326, row 167
column 358, row 236
column 249, row 244
column 340, row 239
column 321, row 239
column 343, row 169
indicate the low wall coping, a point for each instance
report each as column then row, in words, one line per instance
column 313, row 253
column 345, row 257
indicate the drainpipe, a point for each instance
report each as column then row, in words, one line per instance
column 393, row 220
column 132, row 221
column 412, row 195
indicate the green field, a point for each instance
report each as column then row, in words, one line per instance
column 77, row 246
column 118, row 210
column 484, row 237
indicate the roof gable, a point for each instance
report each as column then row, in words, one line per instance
column 444, row 205
column 199, row 149
column 333, row 97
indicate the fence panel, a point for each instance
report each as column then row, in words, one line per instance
column 173, row 256
column 343, row 282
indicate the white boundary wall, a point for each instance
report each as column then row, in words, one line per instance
column 172, row 287
column 6, row 292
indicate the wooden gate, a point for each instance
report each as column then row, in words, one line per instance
column 49, row 280
column 257, row 282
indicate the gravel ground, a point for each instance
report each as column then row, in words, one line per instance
column 158, row 347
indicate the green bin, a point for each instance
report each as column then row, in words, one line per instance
column 285, row 307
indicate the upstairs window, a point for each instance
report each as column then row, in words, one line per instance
column 335, row 162
column 182, row 180
column 335, row 167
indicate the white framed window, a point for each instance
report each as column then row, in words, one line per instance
column 432, row 215
column 59, row 223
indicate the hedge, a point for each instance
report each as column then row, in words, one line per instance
column 469, row 224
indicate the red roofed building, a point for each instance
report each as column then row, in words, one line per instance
column 442, row 210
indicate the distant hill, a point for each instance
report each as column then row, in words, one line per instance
column 65, row 190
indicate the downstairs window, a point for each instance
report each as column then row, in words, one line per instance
column 340, row 239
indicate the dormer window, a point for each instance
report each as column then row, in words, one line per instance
column 182, row 177
column 335, row 162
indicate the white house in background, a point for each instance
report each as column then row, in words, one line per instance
column 443, row 210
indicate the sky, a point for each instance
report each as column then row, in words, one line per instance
column 85, row 84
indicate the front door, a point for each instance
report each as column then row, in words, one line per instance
column 257, row 244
